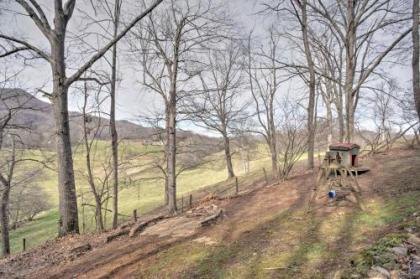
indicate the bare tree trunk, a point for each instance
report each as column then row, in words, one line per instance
column 350, row 52
column 166, row 155
column 311, row 104
column 68, row 222
column 341, row 129
column 267, row 101
column 98, row 204
column 166, row 191
column 273, row 138
column 228, row 156
column 330, row 123
column 98, row 214
column 327, row 96
column 112, row 125
column 4, row 219
column 274, row 165
column 89, row 167
column 171, row 156
column 415, row 61
column 171, row 122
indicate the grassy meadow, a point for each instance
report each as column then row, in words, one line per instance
column 139, row 187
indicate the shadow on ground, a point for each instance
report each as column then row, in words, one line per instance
column 286, row 242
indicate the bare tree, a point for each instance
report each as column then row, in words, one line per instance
column 56, row 36
column 357, row 26
column 389, row 106
column 27, row 199
column 193, row 151
column 7, row 169
column 415, row 60
column 6, row 178
column 11, row 154
column 329, row 64
column 113, row 11
column 91, row 130
column 220, row 104
column 264, row 82
column 246, row 143
column 300, row 11
column 167, row 44
column 114, row 134
column 292, row 135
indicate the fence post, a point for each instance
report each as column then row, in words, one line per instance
column 182, row 204
column 83, row 215
column 265, row 176
column 190, row 203
column 236, row 185
column 24, row 244
column 135, row 215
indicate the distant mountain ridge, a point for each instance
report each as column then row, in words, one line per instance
column 38, row 116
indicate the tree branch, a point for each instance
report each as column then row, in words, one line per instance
column 26, row 44
column 378, row 61
column 102, row 52
column 13, row 51
column 41, row 23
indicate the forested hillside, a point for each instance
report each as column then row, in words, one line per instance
column 209, row 138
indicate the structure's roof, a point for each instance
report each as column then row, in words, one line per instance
column 344, row 146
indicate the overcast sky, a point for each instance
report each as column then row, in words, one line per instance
column 132, row 100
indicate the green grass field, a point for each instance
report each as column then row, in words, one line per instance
column 141, row 193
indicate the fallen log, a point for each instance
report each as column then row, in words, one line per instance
column 143, row 224
column 117, row 234
column 211, row 219
column 81, row 249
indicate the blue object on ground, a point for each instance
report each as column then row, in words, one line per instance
column 332, row 194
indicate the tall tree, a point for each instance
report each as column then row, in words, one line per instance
column 112, row 125
column 168, row 43
column 92, row 128
column 300, row 11
column 359, row 26
column 12, row 103
column 328, row 55
column 220, row 104
column 112, row 9
column 264, row 82
column 56, row 36
column 7, row 172
column 415, row 61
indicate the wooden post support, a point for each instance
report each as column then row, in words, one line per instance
column 190, row 200
column 24, row 244
column 236, row 185
column 265, row 176
column 135, row 215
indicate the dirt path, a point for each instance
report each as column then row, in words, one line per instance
column 119, row 258
column 258, row 231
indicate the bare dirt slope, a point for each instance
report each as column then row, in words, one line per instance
column 264, row 233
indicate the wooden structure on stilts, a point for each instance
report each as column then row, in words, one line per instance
column 336, row 182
